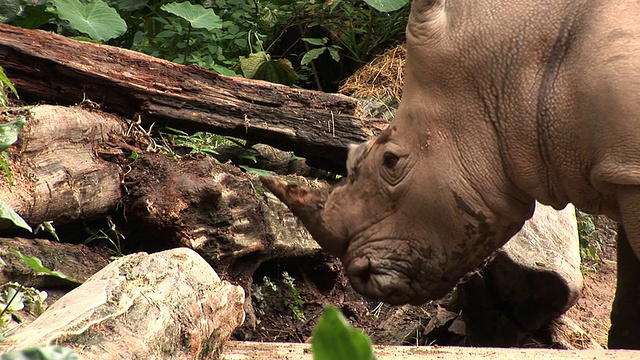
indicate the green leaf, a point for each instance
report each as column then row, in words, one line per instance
column 42, row 353
column 4, row 163
column 9, row 132
column 36, row 265
column 315, row 41
column 250, row 170
column 277, row 71
column 311, row 55
column 6, row 212
column 333, row 338
column 12, row 300
column 48, row 227
column 268, row 18
column 333, row 51
column 386, row 5
column 33, row 17
column 250, row 64
column 9, row 9
column 4, row 80
column 95, row 19
column 196, row 15
column 2, row 262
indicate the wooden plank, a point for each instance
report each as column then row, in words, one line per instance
column 238, row 350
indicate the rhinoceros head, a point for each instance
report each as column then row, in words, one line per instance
column 429, row 199
column 405, row 222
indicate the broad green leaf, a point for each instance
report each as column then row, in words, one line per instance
column 250, row 64
column 41, row 353
column 333, row 338
column 95, row 19
column 386, row 5
column 277, row 71
column 196, row 15
column 315, row 41
column 6, row 212
column 36, row 265
column 311, row 55
column 9, row 132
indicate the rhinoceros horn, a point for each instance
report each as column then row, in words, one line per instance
column 307, row 205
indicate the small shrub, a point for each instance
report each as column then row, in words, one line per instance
column 586, row 233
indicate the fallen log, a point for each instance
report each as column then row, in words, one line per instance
column 57, row 174
column 316, row 125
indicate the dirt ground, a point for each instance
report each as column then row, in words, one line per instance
column 285, row 313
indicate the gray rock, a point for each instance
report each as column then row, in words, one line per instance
column 168, row 305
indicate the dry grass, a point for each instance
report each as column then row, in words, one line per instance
column 380, row 79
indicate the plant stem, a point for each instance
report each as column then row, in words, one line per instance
column 316, row 78
column 186, row 50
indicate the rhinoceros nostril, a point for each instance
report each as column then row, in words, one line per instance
column 361, row 269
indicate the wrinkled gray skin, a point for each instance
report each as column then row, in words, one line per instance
column 505, row 103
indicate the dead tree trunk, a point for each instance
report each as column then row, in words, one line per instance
column 56, row 171
column 317, row 126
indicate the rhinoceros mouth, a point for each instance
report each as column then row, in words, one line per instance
column 393, row 282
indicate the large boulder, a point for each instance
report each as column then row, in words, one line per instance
column 167, row 305
column 525, row 285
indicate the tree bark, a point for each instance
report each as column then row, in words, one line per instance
column 57, row 173
column 316, row 125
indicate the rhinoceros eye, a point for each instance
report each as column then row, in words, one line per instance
column 389, row 160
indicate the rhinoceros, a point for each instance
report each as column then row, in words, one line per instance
column 504, row 103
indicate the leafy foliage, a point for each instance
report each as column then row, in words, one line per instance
column 286, row 38
column 109, row 234
column 586, row 233
column 333, row 338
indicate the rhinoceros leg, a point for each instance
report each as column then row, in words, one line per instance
column 625, row 315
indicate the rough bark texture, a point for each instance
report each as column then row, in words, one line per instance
column 168, row 305
column 50, row 67
column 235, row 350
column 56, row 171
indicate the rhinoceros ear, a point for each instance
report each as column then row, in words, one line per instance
column 356, row 154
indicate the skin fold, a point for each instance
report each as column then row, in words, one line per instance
column 504, row 103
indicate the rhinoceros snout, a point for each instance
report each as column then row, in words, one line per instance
column 377, row 282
